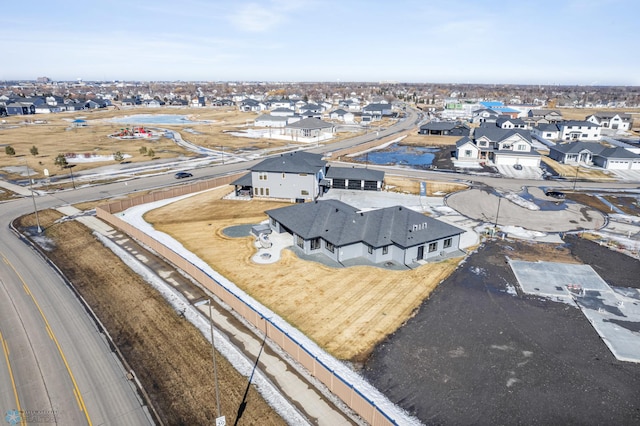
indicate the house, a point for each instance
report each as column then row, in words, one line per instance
column 309, row 130
column 575, row 152
column 352, row 105
column 611, row 120
column 499, row 146
column 617, row 158
column 267, row 120
column 343, row 233
column 251, row 105
column 294, row 176
column 574, row 130
column 342, row 115
column 20, row 108
column 444, row 128
column 282, row 112
column 610, row 158
column 506, row 122
column 378, row 110
column 543, row 116
column 281, row 103
column 546, row 131
column 484, row 115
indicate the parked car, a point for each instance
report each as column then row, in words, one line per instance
column 517, row 166
column 555, row 194
column 182, row 175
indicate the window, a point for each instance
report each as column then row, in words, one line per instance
column 283, row 175
column 255, row 191
column 370, row 249
column 521, row 147
column 304, row 192
column 302, row 174
column 300, row 241
column 261, row 191
column 315, row 244
column 467, row 153
column 584, row 135
column 385, row 250
column 447, row 243
column 330, row 247
column 433, row 247
column 266, row 191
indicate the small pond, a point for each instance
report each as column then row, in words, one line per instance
column 155, row 119
column 417, row 157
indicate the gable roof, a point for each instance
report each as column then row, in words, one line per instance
column 579, row 123
column 438, row 125
column 617, row 152
column 293, row 162
column 576, row 147
column 547, row 127
column 342, row 224
column 497, row 134
column 354, row 173
column 310, row 123
column 463, row 141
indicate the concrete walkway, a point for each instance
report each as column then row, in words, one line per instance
column 312, row 404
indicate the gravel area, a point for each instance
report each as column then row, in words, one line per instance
column 479, row 353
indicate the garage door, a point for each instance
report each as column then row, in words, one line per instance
column 355, row 184
column 370, row 185
column 339, row 183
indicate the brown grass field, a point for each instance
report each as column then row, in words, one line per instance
column 58, row 136
column 346, row 311
column 412, row 186
column 432, row 140
column 169, row 355
column 570, row 171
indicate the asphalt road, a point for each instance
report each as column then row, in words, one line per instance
column 56, row 366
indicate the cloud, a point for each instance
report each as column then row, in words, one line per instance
column 253, row 17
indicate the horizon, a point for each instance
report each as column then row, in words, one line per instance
column 407, row 42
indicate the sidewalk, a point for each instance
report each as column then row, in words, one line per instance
column 302, row 395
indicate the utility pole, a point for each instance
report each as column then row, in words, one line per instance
column 220, row 419
column 33, row 197
column 575, row 179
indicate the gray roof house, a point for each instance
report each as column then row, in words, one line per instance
column 310, row 130
column 500, row 146
column 395, row 235
column 444, row 128
column 303, row 176
column 610, row 158
column 293, row 176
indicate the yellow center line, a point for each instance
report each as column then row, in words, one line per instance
column 78, row 396
column 5, row 349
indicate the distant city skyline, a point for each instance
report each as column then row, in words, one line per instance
column 587, row 42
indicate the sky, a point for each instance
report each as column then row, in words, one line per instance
column 586, row 42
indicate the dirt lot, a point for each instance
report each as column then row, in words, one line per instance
column 170, row 357
column 476, row 354
column 347, row 311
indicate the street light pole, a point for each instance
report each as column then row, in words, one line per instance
column 575, row 179
column 495, row 226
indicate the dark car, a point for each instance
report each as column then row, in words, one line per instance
column 181, row 175
column 555, row 194
column 517, row 166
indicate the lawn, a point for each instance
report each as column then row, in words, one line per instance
column 347, row 311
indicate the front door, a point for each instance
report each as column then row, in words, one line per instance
column 420, row 253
